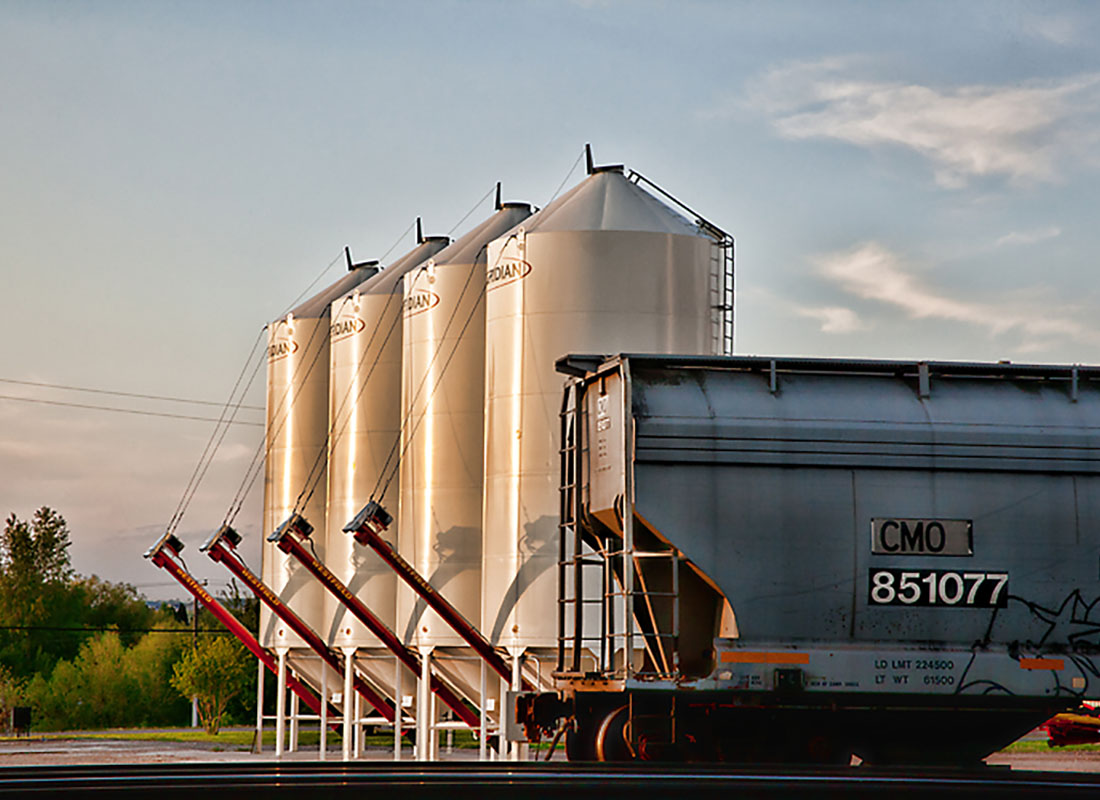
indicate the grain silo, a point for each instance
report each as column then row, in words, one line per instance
column 606, row 268
column 365, row 408
column 439, row 521
column 297, row 435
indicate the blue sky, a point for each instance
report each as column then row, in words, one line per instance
column 909, row 180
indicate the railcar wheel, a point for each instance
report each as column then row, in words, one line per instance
column 580, row 743
column 612, row 738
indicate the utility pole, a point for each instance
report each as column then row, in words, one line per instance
column 194, row 644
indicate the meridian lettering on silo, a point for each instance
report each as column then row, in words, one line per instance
column 922, row 537
column 420, row 301
column 344, row 327
column 508, row 270
column 281, row 349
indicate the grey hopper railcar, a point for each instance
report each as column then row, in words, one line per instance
column 821, row 558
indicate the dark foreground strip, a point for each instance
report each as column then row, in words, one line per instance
column 522, row 781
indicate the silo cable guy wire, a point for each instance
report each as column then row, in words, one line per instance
column 221, row 428
column 263, row 450
column 442, row 371
column 334, row 434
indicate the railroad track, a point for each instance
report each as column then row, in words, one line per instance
column 485, row 781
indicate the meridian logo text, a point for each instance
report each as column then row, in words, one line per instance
column 345, row 327
column 423, row 300
column 281, row 349
column 509, row 270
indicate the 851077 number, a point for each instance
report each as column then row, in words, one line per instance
column 933, row 587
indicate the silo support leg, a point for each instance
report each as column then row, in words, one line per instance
column 423, row 706
column 358, row 726
column 323, row 741
column 346, row 704
column 258, row 745
column 519, row 749
column 293, row 745
column 483, row 729
column 398, row 691
column 280, row 705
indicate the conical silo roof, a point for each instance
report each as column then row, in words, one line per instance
column 318, row 305
column 608, row 201
column 471, row 247
column 388, row 280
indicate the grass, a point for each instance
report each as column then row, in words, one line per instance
column 1041, row 746
column 228, row 739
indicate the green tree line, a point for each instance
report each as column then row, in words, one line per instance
column 79, row 650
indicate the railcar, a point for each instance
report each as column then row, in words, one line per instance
column 814, row 559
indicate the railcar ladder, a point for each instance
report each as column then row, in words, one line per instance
column 573, row 560
column 644, row 602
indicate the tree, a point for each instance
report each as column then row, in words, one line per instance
column 46, row 611
column 108, row 685
column 35, row 573
column 115, row 605
column 214, row 671
column 11, row 695
column 91, row 691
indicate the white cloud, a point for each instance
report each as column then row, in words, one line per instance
column 1059, row 29
column 872, row 272
column 833, row 319
column 1029, row 237
column 1020, row 132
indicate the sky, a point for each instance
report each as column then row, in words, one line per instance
column 903, row 180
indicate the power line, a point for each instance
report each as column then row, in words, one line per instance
column 122, row 394
column 399, row 238
column 121, row 410
column 216, row 438
column 107, row 629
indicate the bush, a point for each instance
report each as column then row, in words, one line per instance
column 110, row 686
column 11, row 695
column 215, row 671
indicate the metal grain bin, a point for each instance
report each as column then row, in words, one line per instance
column 297, row 431
column 443, row 376
column 365, row 408
column 605, row 267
